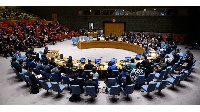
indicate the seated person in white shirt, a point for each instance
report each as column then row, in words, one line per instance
column 102, row 38
column 94, row 73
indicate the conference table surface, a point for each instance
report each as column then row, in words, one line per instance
column 112, row 44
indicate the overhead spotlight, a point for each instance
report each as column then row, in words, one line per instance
column 90, row 10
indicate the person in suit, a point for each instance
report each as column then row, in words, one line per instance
column 89, row 66
column 46, row 50
column 168, row 48
column 52, row 62
column 46, row 67
column 17, row 66
column 127, row 81
column 89, row 82
column 115, row 38
column 109, row 74
column 56, row 70
column 40, row 65
column 122, row 74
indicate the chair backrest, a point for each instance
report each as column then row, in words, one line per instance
column 44, row 74
column 184, row 53
column 140, row 79
column 110, row 82
column 91, row 38
column 129, row 89
column 87, row 72
column 77, row 38
column 162, row 85
column 55, row 77
column 44, row 84
column 190, row 71
column 23, row 77
column 65, row 79
column 173, row 52
column 177, row 77
column 29, row 80
column 95, row 80
column 115, row 90
column 183, row 76
column 116, row 72
column 68, row 71
column 150, row 77
column 19, row 54
column 86, row 38
column 90, row 90
column 55, row 87
column 76, row 89
column 16, row 56
column 151, row 87
column 168, row 70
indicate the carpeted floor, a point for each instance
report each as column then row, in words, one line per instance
column 15, row 92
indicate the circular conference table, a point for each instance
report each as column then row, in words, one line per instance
column 101, row 69
column 111, row 44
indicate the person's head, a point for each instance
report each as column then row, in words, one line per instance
column 41, row 61
column 46, row 47
column 94, row 70
column 132, row 60
column 123, row 68
column 90, row 77
column 52, row 59
column 20, row 62
column 145, row 57
column 31, row 69
column 190, row 58
column 46, row 62
column 188, row 51
column 75, row 76
column 14, row 59
column 110, row 63
column 89, row 60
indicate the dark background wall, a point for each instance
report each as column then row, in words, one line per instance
column 68, row 15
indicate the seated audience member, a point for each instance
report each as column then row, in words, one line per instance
column 74, row 97
column 135, row 72
column 33, row 78
column 175, row 60
column 127, row 81
column 112, row 66
column 189, row 64
column 115, row 38
column 188, row 54
column 168, row 48
column 40, row 65
column 52, row 62
column 157, row 60
column 89, row 82
column 46, row 50
column 56, row 70
column 173, row 46
column 122, row 74
column 94, row 72
column 159, row 37
column 32, row 63
column 81, row 74
column 46, row 68
column 162, row 65
column 89, row 66
column 109, row 74
column 132, row 65
column 17, row 66
column 69, row 63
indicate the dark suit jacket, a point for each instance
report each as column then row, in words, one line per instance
column 17, row 66
column 46, row 51
column 39, row 66
column 78, row 82
column 88, row 66
column 52, row 63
